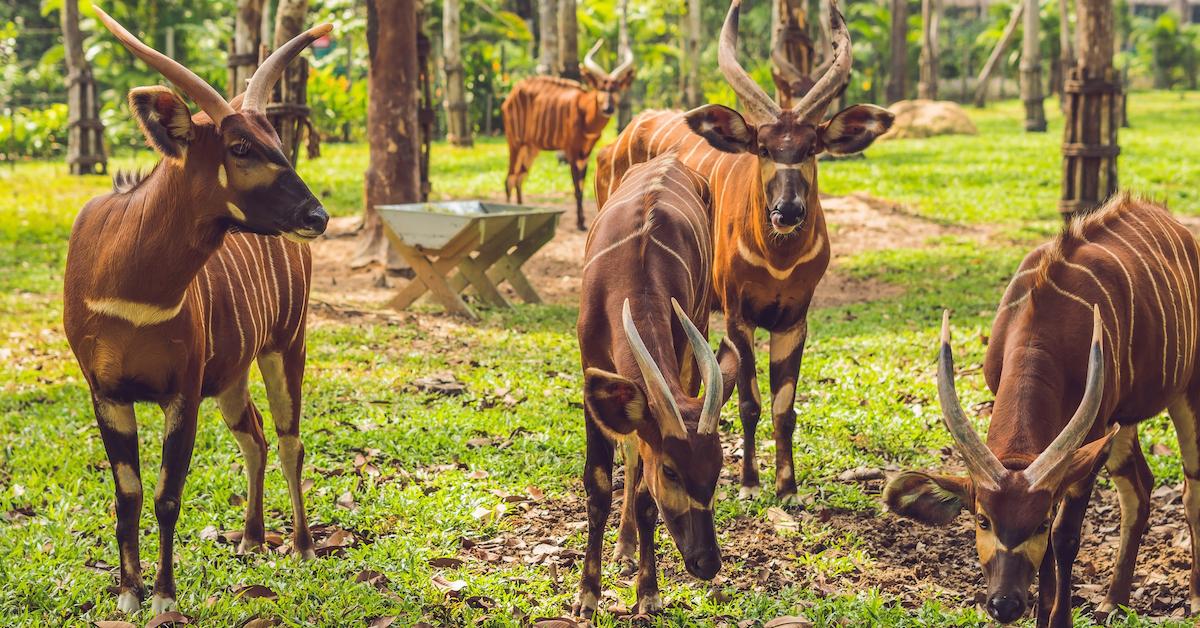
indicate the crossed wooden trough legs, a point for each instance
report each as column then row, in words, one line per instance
column 482, row 255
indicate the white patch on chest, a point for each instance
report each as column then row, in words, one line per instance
column 134, row 312
column 754, row 259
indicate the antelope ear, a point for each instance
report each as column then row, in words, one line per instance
column 929, row 499
column 616, row 403
column 165, row 119
column 725, row 129
column 593, row 81
column 1086, row 460
column 627, row 80
column 728, row 358
column 854, row 128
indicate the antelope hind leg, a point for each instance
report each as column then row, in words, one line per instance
column 284, row 377
column 245, row 422
column 1184, row 416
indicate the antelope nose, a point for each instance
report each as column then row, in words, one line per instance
column 315, row 219
column 1005, row 608
column 705, row 566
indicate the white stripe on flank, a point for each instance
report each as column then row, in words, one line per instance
column 1116, row 317
column 1166, row 286
column 243, row 273
column 237, row 317
column 1129, row 282
column 1162, row 311
column 686, row 268
column 208, row 315
column 1167, row 273
column 610, row 247
column 780, row 274
column 134, row 312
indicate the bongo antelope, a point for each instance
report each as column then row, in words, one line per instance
column 549, row 113
column 1127, row 276
column 175, row 283
column 770, row 243
column 642, row 326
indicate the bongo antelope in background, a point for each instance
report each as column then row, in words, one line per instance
column 642, row 325
column 549, row 113
column 770, row 243
column 175, row 284
column 1126, row 274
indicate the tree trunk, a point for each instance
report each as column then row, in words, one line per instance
column 898, row 75
column 1031, row 70
column 458, row 122
column 1066, row 52
column 930, row 16
column 790, row 24
column 292, row 89
column 392, row 126
column 548, row 36
column 1010, row 31
column 243, row 58
column 625, row 107
column 568, row 40
column 1090, row 145
column 85, row 139
column 693, row 93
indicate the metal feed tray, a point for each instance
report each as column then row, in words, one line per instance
column 455, row 244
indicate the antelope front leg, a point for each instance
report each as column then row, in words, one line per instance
column 627, row 534
column 118, row 429
column 245, row 422
column 1132, row 477
column 1045, row 602
column 284, row 377
column 578, row 173
column 649, row 599
column 597, row 482
column 787, row 350
column 1187, row 427
column 749, row 403
column 1064, row 537
column 180, row 426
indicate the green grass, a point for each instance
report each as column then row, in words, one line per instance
column 867, row 380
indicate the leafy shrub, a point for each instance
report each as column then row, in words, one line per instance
column 339, row 107
column 37, row 133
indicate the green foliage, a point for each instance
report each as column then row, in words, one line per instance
column 1167, row 49
column 339, row 106
column 37, row 133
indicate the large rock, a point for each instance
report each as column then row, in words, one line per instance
column 926, row 118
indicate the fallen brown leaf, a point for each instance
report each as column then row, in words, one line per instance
column 781, row 520
column 381, row 622
column 446, row 563
column 255, row 591
column 261, row 622
column 791, row 621
column 113, row 624
column 346, row 500
column 172, row 617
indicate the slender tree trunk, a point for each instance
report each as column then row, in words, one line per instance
column 1010, row 32
column 693, row 93
column 458, row 122
column 625, row 108
column 548, row 36
column 568, row 40
column 790, row 23
column 1066, row 52
column 1031, row 70
column 243, row 58
column 1090, row 141
column 392, row 125
column 290, row 18
column 85, row 139
column 930, row 16
column 269, row 14
column 897, row 86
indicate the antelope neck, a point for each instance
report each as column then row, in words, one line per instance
column 1030, row 408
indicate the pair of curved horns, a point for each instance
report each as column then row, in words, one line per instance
column 983, row 465
column 656, row 384
column 626, row 65
column 257, row 91
column 761, row 107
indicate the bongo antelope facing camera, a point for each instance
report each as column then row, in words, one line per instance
column 176, row 282
column 549, row 113
column 1096, row 333
column 770, row 243
column 642, row 325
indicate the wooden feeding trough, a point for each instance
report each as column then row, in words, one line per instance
column 455, row 244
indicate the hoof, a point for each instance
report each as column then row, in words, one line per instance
column 584, row 606
column 749, row 492
column 307, row 554
column 623, row 556
column 160, row 604
column 128, row 602
column 788, row 498
column 1196, row 604
column 650, row 604
column 248, row 546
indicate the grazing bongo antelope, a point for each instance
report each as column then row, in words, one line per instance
column 549, row 113
column 175, row 284
column 647, row 260
column 1127, row 275
column 770, row 243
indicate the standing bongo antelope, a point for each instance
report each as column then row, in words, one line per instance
column 549, row 113
column 647, row 260
column 1127, row 276
column 175, row 284
column 770, row 243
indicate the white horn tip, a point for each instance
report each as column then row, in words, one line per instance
column 1097, row 325
column 320, row 31
column 946, row 326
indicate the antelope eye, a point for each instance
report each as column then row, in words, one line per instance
column 984, row 523
column 240, row 149
column 1044, row 527
column 670, row 474
column 763, row 152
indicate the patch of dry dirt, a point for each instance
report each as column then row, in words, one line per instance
column 856, row 223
